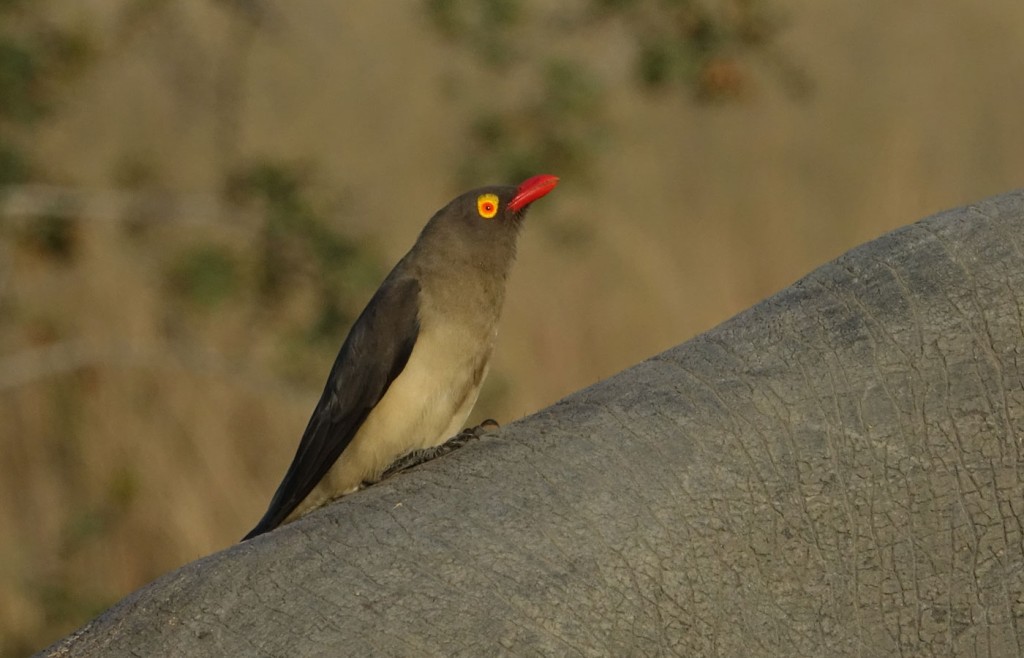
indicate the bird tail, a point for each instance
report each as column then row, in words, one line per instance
column 258, row 530
column 266, row 524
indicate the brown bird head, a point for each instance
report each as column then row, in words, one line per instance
column 499, row 207
column 485, row 220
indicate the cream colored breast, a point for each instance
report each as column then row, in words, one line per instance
column 424, row 406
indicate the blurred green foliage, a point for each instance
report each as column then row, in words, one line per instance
column 710, row 48
column 205, row 275
column 299, row 246
column 53, row 236
column 486, row 27
column 556, row 130
column 19, row 77
column 14, row 166
column 37, row 59
column 705, row 47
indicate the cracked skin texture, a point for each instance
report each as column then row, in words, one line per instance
column 837, row 471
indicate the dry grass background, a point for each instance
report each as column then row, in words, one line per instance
column 125, row 454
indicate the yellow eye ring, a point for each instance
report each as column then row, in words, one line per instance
column 487, row 205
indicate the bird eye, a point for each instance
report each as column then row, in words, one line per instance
column 487, row 205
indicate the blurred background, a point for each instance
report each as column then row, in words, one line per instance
column 197, row 196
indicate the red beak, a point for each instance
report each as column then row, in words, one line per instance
column 532, row 189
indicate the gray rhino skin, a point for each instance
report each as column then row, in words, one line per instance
column 836, row 471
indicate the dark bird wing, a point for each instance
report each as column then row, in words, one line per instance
column 374, row 354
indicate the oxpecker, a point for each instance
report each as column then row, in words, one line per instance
column 410, row 370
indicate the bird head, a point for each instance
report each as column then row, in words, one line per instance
column 487, row 218
column 501, row 207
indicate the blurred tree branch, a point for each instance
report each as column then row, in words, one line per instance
column 32, row 365
column 36, row 200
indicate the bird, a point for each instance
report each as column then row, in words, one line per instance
column 410, row 370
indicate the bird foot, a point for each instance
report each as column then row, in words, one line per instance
column 417, row 457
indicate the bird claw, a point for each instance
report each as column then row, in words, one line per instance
column 465, row 435
column 417, row 457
